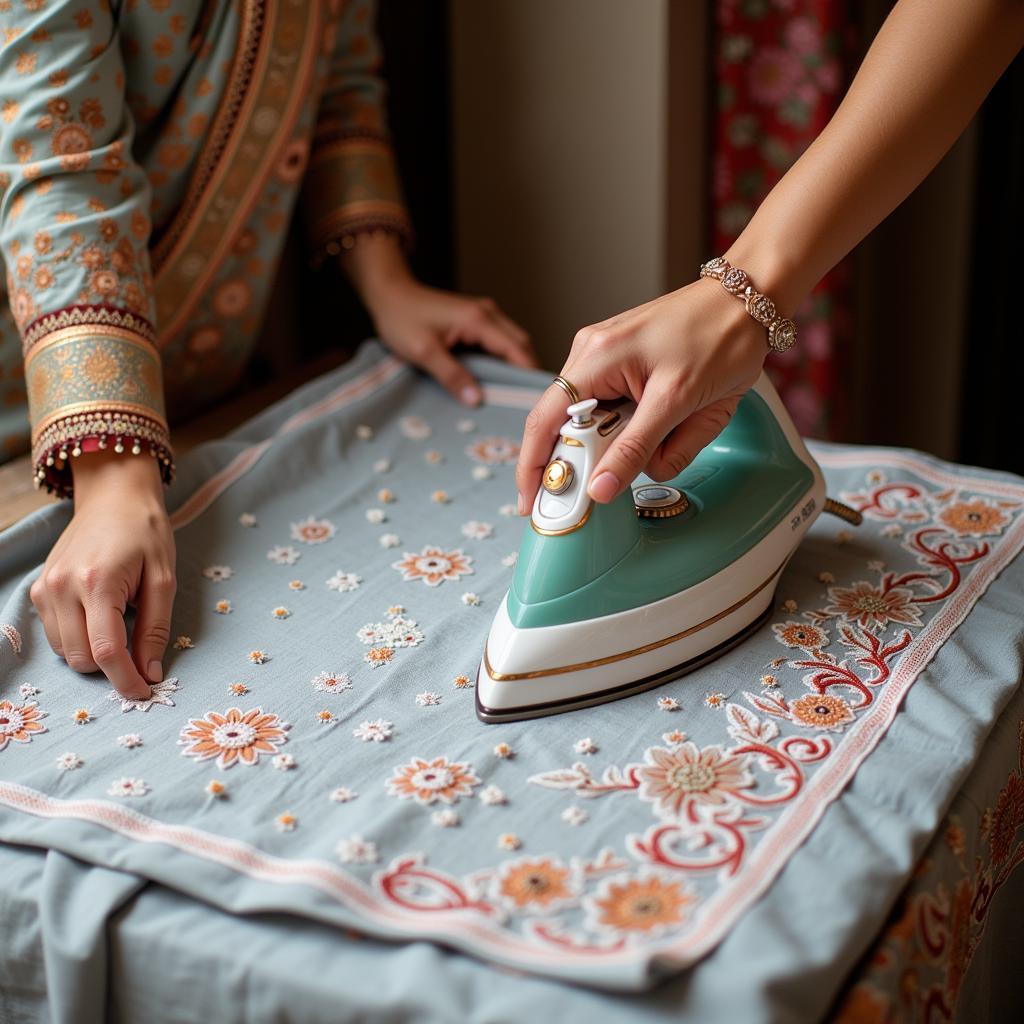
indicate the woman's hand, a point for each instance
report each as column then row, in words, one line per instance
column 686, row 359
column 118, row 549
column 421, row 324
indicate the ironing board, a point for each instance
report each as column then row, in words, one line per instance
column 857, row 845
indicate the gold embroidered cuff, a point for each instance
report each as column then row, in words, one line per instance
column 91, row 384
column 351, row 188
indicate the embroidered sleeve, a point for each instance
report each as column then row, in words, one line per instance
column 74, row 234
column 351, row 184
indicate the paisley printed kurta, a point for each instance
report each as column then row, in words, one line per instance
column 151, row 156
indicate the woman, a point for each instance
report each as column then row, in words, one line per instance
column 689, row 356
column 151, row 155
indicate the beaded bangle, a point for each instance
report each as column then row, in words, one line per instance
column 781, row 330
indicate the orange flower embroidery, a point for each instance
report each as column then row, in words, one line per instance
column 677, row 781
column 19, row 721
column 233, row 737
column 641, row 904
column 433, row 565
column 538, row 884
column 822, row 711
column 493, row 451
column 430, row 782
column 797, row 634
column 871, row 606
column 974, row 518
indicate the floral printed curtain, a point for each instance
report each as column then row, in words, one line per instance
column 780, row 69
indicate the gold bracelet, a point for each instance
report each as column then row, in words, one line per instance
column 781, row 330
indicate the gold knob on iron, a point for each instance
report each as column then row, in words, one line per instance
column 557, row 476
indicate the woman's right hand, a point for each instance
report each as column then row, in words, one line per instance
column 117, row 550
column 685, row 358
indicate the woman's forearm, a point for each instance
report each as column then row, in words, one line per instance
column 926, row 73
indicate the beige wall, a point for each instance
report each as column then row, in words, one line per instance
column 562, row 156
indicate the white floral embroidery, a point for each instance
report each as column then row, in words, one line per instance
column 326, row 717
column 826, row 577
column 492, row 796
column 446, row 818
column 476, row 530
column 28, row 690
column 585, row 746
column 159, row 693
column 376, row 516
column 504, row 751
column 714, row 700
column 440, row 497
column 238, row 689
column 382, row 466
column 280, row 612
column 386, row 496
column 343, row 795
column 790, row 605
column 296, row 585
column 183, row 643
column 892, row 530
column 218, row 573
column 510, row 560
column 433, row 457
column 69, row 762
column 426, row 700
column 283, row 762
column 389, row 540
column 223, row 607
column 286, row 822
column 668, row 704
column 284, row 555
column 574, row 815
column 509, row 841
column 470, row 599
column 462, row 682
column 217, row 789
column 374, row 732
column 247, row 519
column 258, row 656
column 399, row 631
column 377, row 657
column 356, row 850
column 482, row 473
column 364, row 432
column 674, row 738
column 415, row 428
column 332, row 682
column 508, row 510
column 312, row 531
column 128, row 787
column 344, row 582
column 465, row 426
column 83, row 716
column 130, row 740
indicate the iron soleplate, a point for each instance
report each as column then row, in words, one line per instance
column 554, row 707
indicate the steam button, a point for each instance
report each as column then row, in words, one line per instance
column 557, row 476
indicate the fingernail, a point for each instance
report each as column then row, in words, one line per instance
column 604, row 487
column 520, row 505
column 155, row 671
column 470, row 395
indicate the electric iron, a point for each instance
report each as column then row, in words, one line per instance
column 610, row 600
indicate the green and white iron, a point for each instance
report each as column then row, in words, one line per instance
column 610, row 600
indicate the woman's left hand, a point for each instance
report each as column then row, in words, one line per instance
column 422, row 324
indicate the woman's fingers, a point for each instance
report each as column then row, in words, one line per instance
column 694, row 434
column 542, row 425
column 629, row 453
column 153, row 623
column 108, row 640
column 430, row 355
column 488, row 327
column 74, row 636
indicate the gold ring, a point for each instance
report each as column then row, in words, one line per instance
column 566, row 386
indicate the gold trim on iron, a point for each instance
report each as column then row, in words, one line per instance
column 571, row 442
column 611, row 658
column 558, row 476
column 609, row 423
column 568, row 388
column 568, row 529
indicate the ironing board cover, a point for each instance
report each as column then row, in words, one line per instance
column 314, row 749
